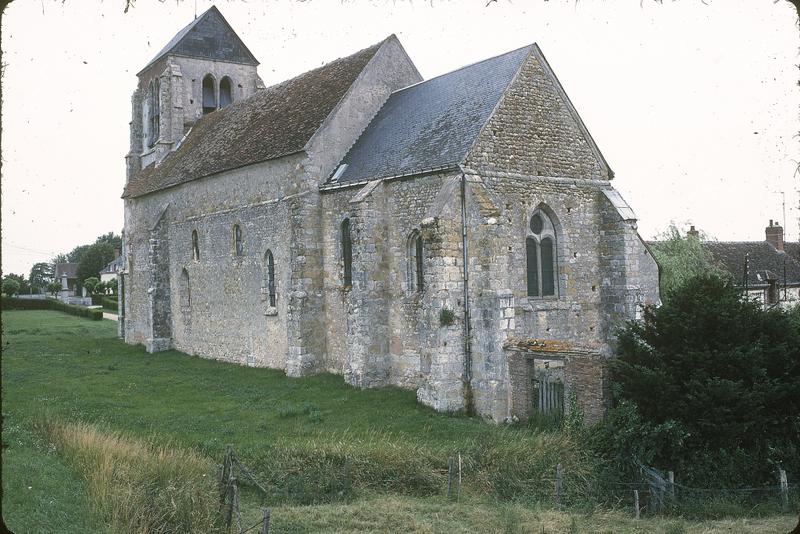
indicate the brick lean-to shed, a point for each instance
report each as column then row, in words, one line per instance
column 457, row 236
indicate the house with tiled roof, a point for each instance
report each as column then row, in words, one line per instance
column 458, row 236
column 767, row 271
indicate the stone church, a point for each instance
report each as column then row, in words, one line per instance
column 457, row 236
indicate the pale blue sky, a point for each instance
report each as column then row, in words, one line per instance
column 694, row 105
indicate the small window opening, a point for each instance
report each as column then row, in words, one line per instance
column 270, row 261
column 195, row 246
column 415, row 262
column 209, row 95
column 347, row 253
column 225, row 92
column 237, row 240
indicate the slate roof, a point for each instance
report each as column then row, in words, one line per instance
column 69, row 269
column 430, row 125
column 113, row 266
column 764, row 261
column 209, row 36
column 273, row 122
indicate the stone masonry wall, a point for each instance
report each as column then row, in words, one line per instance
column 535, row 132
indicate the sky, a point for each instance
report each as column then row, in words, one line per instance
column 694, row 103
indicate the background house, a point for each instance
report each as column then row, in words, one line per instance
column 768, row 271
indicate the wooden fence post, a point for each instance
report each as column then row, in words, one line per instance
column 559, row 483
column 784, row 482
column 458, row 492
column 265, row 524
column 636, row 504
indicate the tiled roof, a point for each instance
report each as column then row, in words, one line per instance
column 209, row 36
column 271, row 123
column 68, row 269
column 763, row 261
column 432, row 124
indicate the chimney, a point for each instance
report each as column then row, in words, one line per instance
column 693, row 233
column 775, row 235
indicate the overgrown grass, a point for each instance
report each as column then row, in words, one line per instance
column 135, row 486
column 311, row 440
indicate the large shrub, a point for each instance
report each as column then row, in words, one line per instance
column 717, row 374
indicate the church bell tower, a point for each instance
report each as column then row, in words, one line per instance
column 204, row 68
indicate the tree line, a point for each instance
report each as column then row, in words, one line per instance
column 91, row 259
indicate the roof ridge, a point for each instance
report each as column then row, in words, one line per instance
column 474, row 63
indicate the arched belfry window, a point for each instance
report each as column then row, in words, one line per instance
column 195, row 246
column 347, row 253
column 415, row 259
column 269, row 265
column 155, row 115
column 209, row 94
column 542, row 256
column 225, row 92
column 238, row 247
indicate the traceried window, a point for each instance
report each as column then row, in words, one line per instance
column 195, row 246
column 238, row 247
column 209, row 94
column 225, row 92
column 415, row 275
column 347, row 254
column 542, row 256
column 269, row 262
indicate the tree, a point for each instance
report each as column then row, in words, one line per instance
column 681, row 258
column 720, row 371
column 41, row 275
column 10, row 286
column 90, row 283
column 24, row 287
column 100, row 288
column 53, row 288
column 112, row 285
column 93, row 259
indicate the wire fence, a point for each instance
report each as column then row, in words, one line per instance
column 653, row 493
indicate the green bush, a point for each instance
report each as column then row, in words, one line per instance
column 718, row 376
column 51, row 304
column 109, row 303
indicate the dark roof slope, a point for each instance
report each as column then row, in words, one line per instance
column 432, row 124
column 68, row 269
column 209, row 36
column 271, row 123
column 764, row 261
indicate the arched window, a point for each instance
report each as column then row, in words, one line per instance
column 415, row 258
column 225, row 92
column 347, row 253
column 195, row 246
column 155, row 113
column 238, row 248
column 542, row 256
column 209, row 94
column 269, row 263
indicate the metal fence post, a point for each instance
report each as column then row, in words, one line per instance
column 265, row 524
column 636, row 504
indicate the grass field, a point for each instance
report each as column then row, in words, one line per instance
column 332, row 457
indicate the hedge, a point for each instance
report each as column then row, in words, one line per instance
column 109, row 303
column 51, row 304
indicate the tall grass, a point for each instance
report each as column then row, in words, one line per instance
column 136, row 486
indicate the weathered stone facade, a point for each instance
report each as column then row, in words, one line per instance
column 463, row 332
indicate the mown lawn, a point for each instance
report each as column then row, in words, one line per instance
column 364, row 460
